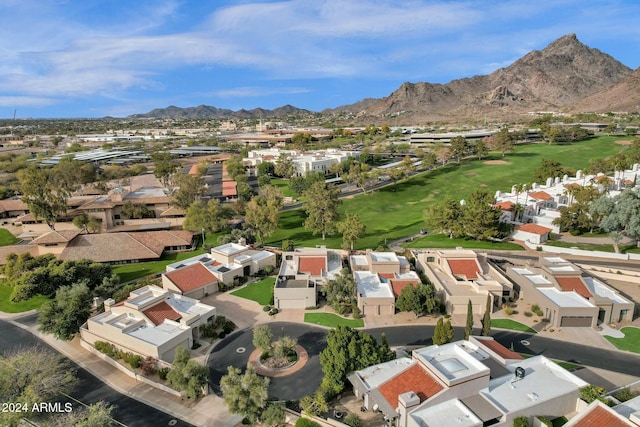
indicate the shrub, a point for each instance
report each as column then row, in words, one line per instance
column 521, row 422
column 625, row 394
column 133, row 360
column 196, row 345
column 268, row 269
column 536, row 309
column 222, row 335
column 228, row 327
column 149, row 366
column 353, row 420
column 356, row 314
column 266, row 308
column 273, row 311
column 162, row 373
column 528, row 313
column 106, row 348
column 508, row 311
column 306, row 422
column 546, row 421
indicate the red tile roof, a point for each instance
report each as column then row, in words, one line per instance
column 504, row 206
column 501, row 350
column 193, row 170
column 464, row 267
column 540, row 195
column 574, row 284
column 397, row 285
column 599, row 416
column 414, row 379
column 161, row 311
column 312, row 265
column 191, row 277
column 229, row 188
column 534, row 229
column 387, row 275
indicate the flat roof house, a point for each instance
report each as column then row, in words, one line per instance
column 151, row 322
column 475, row 382
column 380, row 277
column 460, row 275
column 566, row 296
column 302, row 271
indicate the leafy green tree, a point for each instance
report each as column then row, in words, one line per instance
column 137, row 211
column 480, row 218
column 234, row 167
column 87, row 223
column 284, row 166
column 300, row 140
column 263, row 338
column 164, row 165
column 261, row 213
column 187, row 375
column 94, row 415
column 245, row 394
column 63, row 316
column 359, row 174
column 459, row 147
column 45, row 193
column 549, row 168
column 620, row 214
column 486, row 318
column 352, row 228
column 347, row 350
column 502, row 141
column 352, row 420
column 274, row 415
column 285, row 347
column 468, row 330
column 341, row 291
column 446, row 218
column 414, row 299
column 321, row 209
column 210, row 216
column 32, row 375
column 396, row 174
column 429, row 160
column 443, row 333
column 190, row 189
column 315, row 404
column 480, row 149
column 266, row 169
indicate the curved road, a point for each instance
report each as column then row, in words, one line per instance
column 291, row 387
column 127, row 411
column 313, row 339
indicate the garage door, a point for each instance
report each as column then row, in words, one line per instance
column 582, row 321
column 291, row 303
column 371, row 310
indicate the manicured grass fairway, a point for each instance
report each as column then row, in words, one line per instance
column 394, row 212
column 442, row 241
column 511, row 324
column 6, row 238
column 332, row 320
column 630, row 342
column 259, row 292
column 10, row 307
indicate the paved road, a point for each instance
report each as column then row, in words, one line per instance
column 314, row 340
column 291, row 387
column 127, row 411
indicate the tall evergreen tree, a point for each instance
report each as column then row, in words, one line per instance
column 468, row 330
column 486, row 319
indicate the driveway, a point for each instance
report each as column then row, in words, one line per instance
column 235, row 349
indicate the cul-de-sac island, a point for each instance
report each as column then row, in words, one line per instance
column 463, row 254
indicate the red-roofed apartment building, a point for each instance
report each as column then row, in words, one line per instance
column 460, row 275
column 151, row 322
column 533, row 233
column 470, row 383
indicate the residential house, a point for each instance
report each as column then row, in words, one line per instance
column 566, row 296
column 302, row 272
column 533, row 233
column 462, row 275
column 380, row 277
column 151, row 322
column 225, row 262
column 475, row 382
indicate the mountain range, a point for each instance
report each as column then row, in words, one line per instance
column 566, row 76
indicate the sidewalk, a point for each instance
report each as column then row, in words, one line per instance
column 210, row 411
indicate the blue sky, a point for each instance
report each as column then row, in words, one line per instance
column 93, row 58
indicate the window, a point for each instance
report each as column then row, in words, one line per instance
column 431, row 259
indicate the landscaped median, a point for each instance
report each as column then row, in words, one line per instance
column 332, row 320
